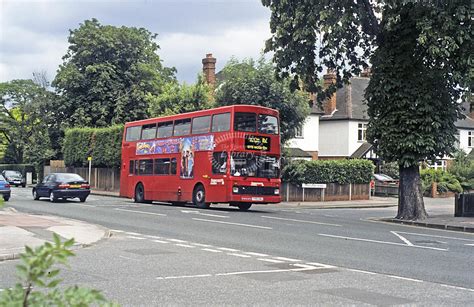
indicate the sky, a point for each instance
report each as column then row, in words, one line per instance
column 34, row 33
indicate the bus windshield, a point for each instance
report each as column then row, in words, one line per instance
column 247, row 164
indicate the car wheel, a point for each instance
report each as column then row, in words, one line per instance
column 199, row 197
column 35, row 195
column 52, row 197
column 244, row 206
column 23, row 185
column 82, row 199
column 6, row 198
column 139, row 193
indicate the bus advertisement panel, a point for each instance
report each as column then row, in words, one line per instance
column 223, row 155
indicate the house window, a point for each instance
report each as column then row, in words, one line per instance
column 362, row 132
column 470, row 139
column 299, row 132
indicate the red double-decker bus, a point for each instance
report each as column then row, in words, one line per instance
column 224, row 155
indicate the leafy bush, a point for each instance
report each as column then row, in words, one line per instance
column 463, row 169
column 328, row 171
column 39, row 282
column 391, row 169
column 445, row 181
column 103, row 144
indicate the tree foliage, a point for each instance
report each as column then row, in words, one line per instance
column 421, row 52
column 39, row 280
column 253, row 82
column 24, row 122
column 181, row 98
column 109, row 74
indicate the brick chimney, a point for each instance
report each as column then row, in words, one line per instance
column 209, row 69
column 330, row 104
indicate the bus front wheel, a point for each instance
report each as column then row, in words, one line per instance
column 199, row 197
column 139, row 193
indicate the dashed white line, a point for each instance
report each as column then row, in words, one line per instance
column 256, row 254
column 270, row 260
column 142, row 212
column 152, row 237
column 360, row 271
column 227, row 249
column 176, row 240
column 202, row 245
column 287, row 259
column 469, row 244
column 300, row 221
column 211, row 250
column 160, row 241
column 215, row 215
column 186, row 276
column 458, row 288
column 133, row 233
column 382, row 242
column 236, row 224
column 404, row 278
column 239, row 255
column 185, row 245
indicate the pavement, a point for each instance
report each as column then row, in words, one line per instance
column 19, row 229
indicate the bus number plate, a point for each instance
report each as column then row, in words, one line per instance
column 257, row 198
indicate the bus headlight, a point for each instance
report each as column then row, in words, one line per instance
column 277, row 191
column 235, row 189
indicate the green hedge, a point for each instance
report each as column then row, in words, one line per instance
column 328, row 171
column 102, row 144
column 446, row 182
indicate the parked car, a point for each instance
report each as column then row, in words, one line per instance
column 62, row 186
column 5, row 188
column 384, row 185
column 14, row 178
column 382, row 179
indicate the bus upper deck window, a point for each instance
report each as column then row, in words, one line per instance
column 165, row 129
column 148, row 132
column 267, row 124
column 201, row 124
column 182, row 127
column 246, row 122
column 133, row 133
column 221, row 122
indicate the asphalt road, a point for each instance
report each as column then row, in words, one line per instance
column 162, row 254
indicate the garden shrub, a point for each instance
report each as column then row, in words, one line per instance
column 445, row 181
column 328, row 171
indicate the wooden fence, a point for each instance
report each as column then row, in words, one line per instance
column 105, row 179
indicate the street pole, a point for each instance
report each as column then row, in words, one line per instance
column 90, row 168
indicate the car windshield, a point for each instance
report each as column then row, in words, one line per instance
column 68, row 177
column 247, row 164
column 12, row 174
column 1, row 178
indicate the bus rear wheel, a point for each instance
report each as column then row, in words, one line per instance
column 139, row 194
column 244, row 206
column 199, row 197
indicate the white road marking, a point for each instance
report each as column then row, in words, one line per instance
column 152, row 237
column 136, row 238
column 434, row 236
column 360, row 271
column 214, row 215
column 287, row 259
column 185, row 245
column 256, row 254
column 202, row 245
column 300, row 221
column 128, row 258
column 382, row 242
column 270, row 260
column 404, row 278
column 326, row 266
column 188, row 276
column 116, row 230
column 142, row 212
column 133, row 233
column 211, row 250
column 458, row 288
column 402, row 238
column 239, row 255
column 469, row 244
column 236, row 224
column 159, row 241
column 227, row 249
column 190, row 211
column 176, row 240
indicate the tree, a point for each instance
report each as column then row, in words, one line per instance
column 109, row 74
column 421, row 55
column 22, row 122
column 250, row 82
column 180, row 98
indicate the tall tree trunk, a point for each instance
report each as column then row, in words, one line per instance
column 410, row 196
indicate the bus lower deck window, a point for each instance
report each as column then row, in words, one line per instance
column 219, row 162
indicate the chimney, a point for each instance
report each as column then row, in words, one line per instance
column 366, row 73
column 330, row 104
column 209, row 69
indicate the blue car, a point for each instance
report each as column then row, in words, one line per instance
column 5, row 190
